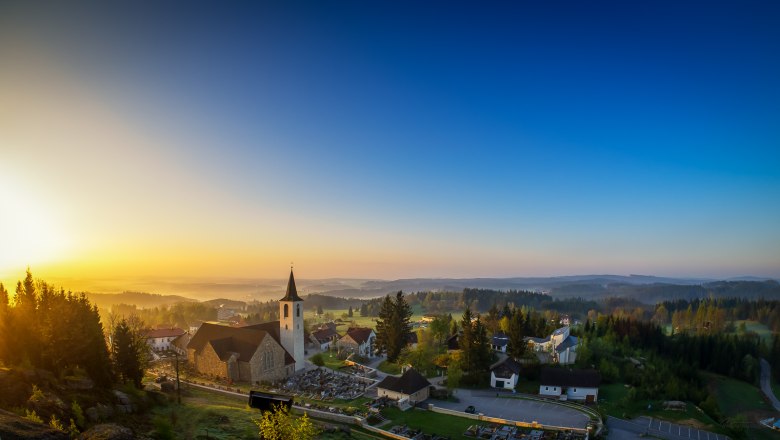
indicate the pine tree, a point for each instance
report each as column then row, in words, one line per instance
column 517, row 345
column 349, row 312
column 364, row 310
column 3, row 323
column 393, row 326
column 127, row 359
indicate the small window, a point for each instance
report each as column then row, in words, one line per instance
column 547, row 388
column 575, row 390
column 286, row 310
column 298, row 310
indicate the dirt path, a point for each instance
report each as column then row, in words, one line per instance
column 766, row 384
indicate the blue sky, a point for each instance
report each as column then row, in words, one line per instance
column 392, row 140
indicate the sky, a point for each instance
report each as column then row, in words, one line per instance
column 389, row 140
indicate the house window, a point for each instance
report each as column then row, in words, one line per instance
column 575, row 390
column 286, row 310
column 547, row 388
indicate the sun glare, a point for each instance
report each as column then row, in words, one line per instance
column 29, row 227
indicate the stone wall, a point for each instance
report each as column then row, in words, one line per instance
column 207, row 362
column 278, row 371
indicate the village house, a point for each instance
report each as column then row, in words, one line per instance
column 179, row 345
column 499, row 342
column 560, row 347
column 358, row 340
column 568, row 384
column 262, row 352
column 410, row 388
column 160, row 339
column 505, row 374
column 323, row 338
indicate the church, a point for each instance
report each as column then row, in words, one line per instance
column 255, row 353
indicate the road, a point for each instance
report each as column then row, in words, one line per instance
column 620, row 429
column 766, row 384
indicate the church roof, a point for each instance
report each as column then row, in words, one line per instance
column 292, row 292
column 242, row 341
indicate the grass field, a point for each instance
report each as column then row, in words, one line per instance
column 359, row 321
column 612, row 401
column 756, row 327
column 429, row 422
column 737, row 397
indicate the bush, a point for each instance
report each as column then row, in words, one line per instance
column 318, row 360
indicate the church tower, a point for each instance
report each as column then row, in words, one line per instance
column 291, row 323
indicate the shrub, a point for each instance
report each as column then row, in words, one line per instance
column 318, row 360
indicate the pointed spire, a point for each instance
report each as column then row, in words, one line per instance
column 292, row 292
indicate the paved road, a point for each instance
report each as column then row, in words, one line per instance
column 516, row 409
column 766, row 384
column 620, row 429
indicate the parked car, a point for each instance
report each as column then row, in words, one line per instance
column 471, row 410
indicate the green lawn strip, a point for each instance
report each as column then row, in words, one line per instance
column 331, row 360
column 756, row 327
column 429, row 422
column 389, row 368
column 612, row 402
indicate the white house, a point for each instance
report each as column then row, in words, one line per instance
column 160, row 339
column 499, row 342
column 505, row 374
column 358, row 340
column 567, row 384
column 560, row 346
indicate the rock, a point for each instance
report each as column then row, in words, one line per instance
column 107, row 431
column 13, row 427
column 123, row 398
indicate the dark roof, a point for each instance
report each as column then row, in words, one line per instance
column 500, row 339
column 359, row 334
column 570, row 341
column 409, row 383
column 411, row 338
column 324, row 334
column 565, row 377
column 452, row 342
column 240, row 340
column 292, row 292
column 506, row 369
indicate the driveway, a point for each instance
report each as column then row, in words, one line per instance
column 516, row 409
column 624, row 429
column 766, row 384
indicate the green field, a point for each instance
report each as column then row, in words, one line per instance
column 359, row 321
column 429, row 422
column 737, row 397
column 756, row 327
column 612, row 401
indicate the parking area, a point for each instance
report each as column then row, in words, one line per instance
column 662, row 429
column 517, row 409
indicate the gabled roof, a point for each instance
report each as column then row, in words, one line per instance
column 242, row 341
column 500, row 339
column 561, row 330
column 164, row 333
column 292, row 292
column 506, row 369
column 536, row 340
column 324, row 334
column 359, row 334
column 564, row 377
column 570, row 341
column 409, row 383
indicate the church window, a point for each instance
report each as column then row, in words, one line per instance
column 298, row 310
column 286, row 310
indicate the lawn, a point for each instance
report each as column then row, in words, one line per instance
column 202, row 412
column 389, row 367
column 611, row 401
column 331, row 361
column 737, row 397
column 430, row 422
column 359, row 321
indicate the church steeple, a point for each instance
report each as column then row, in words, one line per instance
column 292, row 292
